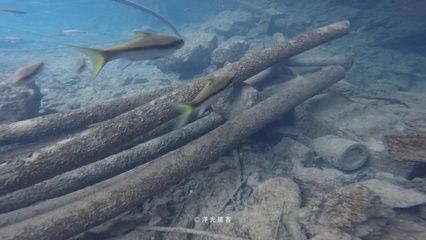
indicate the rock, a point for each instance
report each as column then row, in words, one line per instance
column 192, row 58
column 232, row 23
column 420, row 183
column 390, row 178
column 243, row 98
column 334, row 235
column 18, row 102
column 353, row 209
column 402, row 229
column 316, row 116
column 290, row 150
column 395, row 196
column 274, row 199
column 315, row 182
column 290, row 25
column 229, row 51
column 422, row 211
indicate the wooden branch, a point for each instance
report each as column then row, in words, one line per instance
column 232, row 195
column 108, row 167
column 103, row 140
column 31, row 129
column 134, row 186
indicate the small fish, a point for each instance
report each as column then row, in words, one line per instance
column 206, row 97
column 73, row 32
column 79, row 65
column 14, row 11
column 26, row 72
column 145, row 46
column 10, row 39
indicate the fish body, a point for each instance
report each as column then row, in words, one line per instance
column 145, row 46
column 79, row 65
column 10, row 39
column 26, row 72
column 73, row 32
column 14, row 11
column 211, row 92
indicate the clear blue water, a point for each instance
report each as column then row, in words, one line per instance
column 387, row 40
column 104, row 21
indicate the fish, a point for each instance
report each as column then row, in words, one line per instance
column 10, row 39
column 79, row 65
column 210, row 93
column 27, row 72
column 146, row 46
column 73, row 32
column 14, row 11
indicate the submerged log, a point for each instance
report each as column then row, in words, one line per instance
column 406, row 147
column 108, row 167
column 103, row 140
column 146, row 180
column 64, row 121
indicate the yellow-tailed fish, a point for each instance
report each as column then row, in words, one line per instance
column 213, row 89
column 145, row 46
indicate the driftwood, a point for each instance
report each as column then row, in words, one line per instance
column 103, row 140
column 406, row 146
column 60, row 122
column 108, row 167
column 146, row 180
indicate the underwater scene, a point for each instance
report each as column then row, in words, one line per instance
column 213, row 119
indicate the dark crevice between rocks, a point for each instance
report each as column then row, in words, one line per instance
column 418, row 172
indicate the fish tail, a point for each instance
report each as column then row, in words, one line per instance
column 186, row 111
column 98, row 58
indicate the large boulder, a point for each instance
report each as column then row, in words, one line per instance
column 229, row 51
column 395, row 196
column 352, row 209
column 18, row 102
column 192, row 58
column 231, row 23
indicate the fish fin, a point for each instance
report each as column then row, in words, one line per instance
column 98, row 57
column 186, row 111
column 142, row 34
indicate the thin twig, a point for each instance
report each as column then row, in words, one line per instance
column 185, row 202
column 188, row 231
column 151, row 12
column 233, row 194
column 277, row 228
column 237, row 159
column 238, row 165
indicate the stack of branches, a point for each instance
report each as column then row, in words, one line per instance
column 101, row 171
